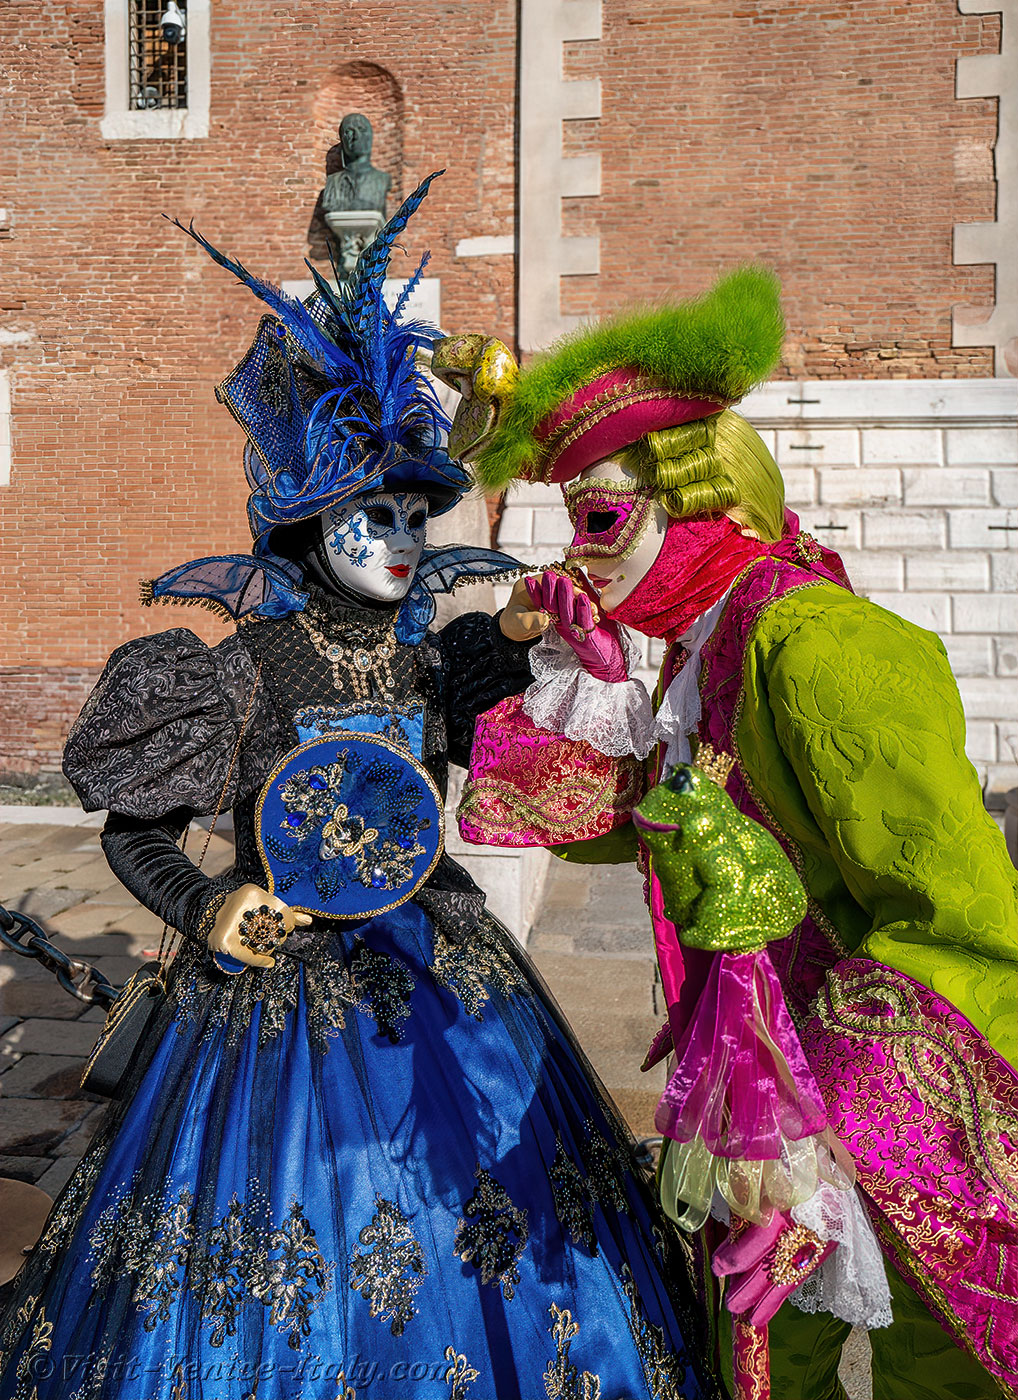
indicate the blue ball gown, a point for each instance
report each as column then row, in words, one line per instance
column 381, row 1170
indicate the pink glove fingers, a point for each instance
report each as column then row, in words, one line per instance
column 564, row 600
column 766, row 1263
column 597, row 645
column 744, row 1249
column 584, row 613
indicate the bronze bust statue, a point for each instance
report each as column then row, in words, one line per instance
column 353, row 200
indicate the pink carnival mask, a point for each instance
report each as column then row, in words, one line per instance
column 608, row 518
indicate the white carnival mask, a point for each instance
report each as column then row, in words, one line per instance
column 374, row 542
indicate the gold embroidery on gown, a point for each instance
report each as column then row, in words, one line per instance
column 389, row 1273
column 473, row 969
column 664, row 1372
column 573, row 1203
column 492, row 1234
column 459, row 1375
column 562, row 1381
column 243, row 1258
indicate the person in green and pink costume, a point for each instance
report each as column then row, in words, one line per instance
column 841, row 1116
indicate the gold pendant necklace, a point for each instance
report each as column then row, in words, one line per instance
column 354, row 667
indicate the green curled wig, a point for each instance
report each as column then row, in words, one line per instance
column 713, row 466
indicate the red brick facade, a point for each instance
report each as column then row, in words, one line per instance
column 825, row 140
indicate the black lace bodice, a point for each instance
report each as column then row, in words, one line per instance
column 173, row 725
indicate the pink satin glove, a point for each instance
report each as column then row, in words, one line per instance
column 597, row 643
column 766, row 1263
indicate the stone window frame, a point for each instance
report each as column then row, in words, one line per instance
column 188, row 123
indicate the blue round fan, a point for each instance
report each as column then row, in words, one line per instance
column 349, row 826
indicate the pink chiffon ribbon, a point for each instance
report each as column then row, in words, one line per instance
column 741, row 1080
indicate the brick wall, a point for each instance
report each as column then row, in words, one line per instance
column 826, row 141
column 37, row 705
column 916, row 486
column 114, row 327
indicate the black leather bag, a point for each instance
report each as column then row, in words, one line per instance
column 127, row 1024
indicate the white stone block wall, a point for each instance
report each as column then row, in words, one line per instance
column 547, row 100
column 915, row 483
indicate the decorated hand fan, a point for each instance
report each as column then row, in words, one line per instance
column 349, row 826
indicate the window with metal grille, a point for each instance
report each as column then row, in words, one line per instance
column 158, row 54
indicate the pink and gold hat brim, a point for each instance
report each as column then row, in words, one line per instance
column 610, row 413
column 604, row 387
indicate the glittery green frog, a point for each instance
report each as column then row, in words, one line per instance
column 727, row 884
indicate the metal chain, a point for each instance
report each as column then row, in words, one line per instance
column 22, row 935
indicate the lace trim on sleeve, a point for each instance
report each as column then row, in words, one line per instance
column 615, row 718
column 851, row 1282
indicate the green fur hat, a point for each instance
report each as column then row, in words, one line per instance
column 602, row 388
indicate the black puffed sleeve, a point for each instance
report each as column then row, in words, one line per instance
column 481, row 666
column 157, row 744
column 159, row 731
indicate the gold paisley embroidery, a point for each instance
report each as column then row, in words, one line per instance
column 241, row 1259
column 572, row 1197
column 557, row 801
column 562, row 1381
column 389, row 1273
column 932, row 1061
column 492, row 1234
column 460, row 1374
column 752, row 1360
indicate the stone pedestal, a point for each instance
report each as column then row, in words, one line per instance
column 513, row 880
column 352, row 230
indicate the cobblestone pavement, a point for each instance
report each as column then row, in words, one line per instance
column 591, row 943
column 58, row 874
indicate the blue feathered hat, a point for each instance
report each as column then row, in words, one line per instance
column 331, row 396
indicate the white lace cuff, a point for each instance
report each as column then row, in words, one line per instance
column 615, row 717
column 851, row 1282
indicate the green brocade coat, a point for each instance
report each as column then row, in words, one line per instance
column 851, row 735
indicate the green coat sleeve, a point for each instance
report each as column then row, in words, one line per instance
column 868, row 719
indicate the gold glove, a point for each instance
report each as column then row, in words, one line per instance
column 519, row 620
column 250, row 922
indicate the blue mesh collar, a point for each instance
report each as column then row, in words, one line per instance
column 240, row 585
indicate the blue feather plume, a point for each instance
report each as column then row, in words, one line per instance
column 380, row 413
column 365, row 286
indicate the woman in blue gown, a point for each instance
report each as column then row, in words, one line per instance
column 366, row 1159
